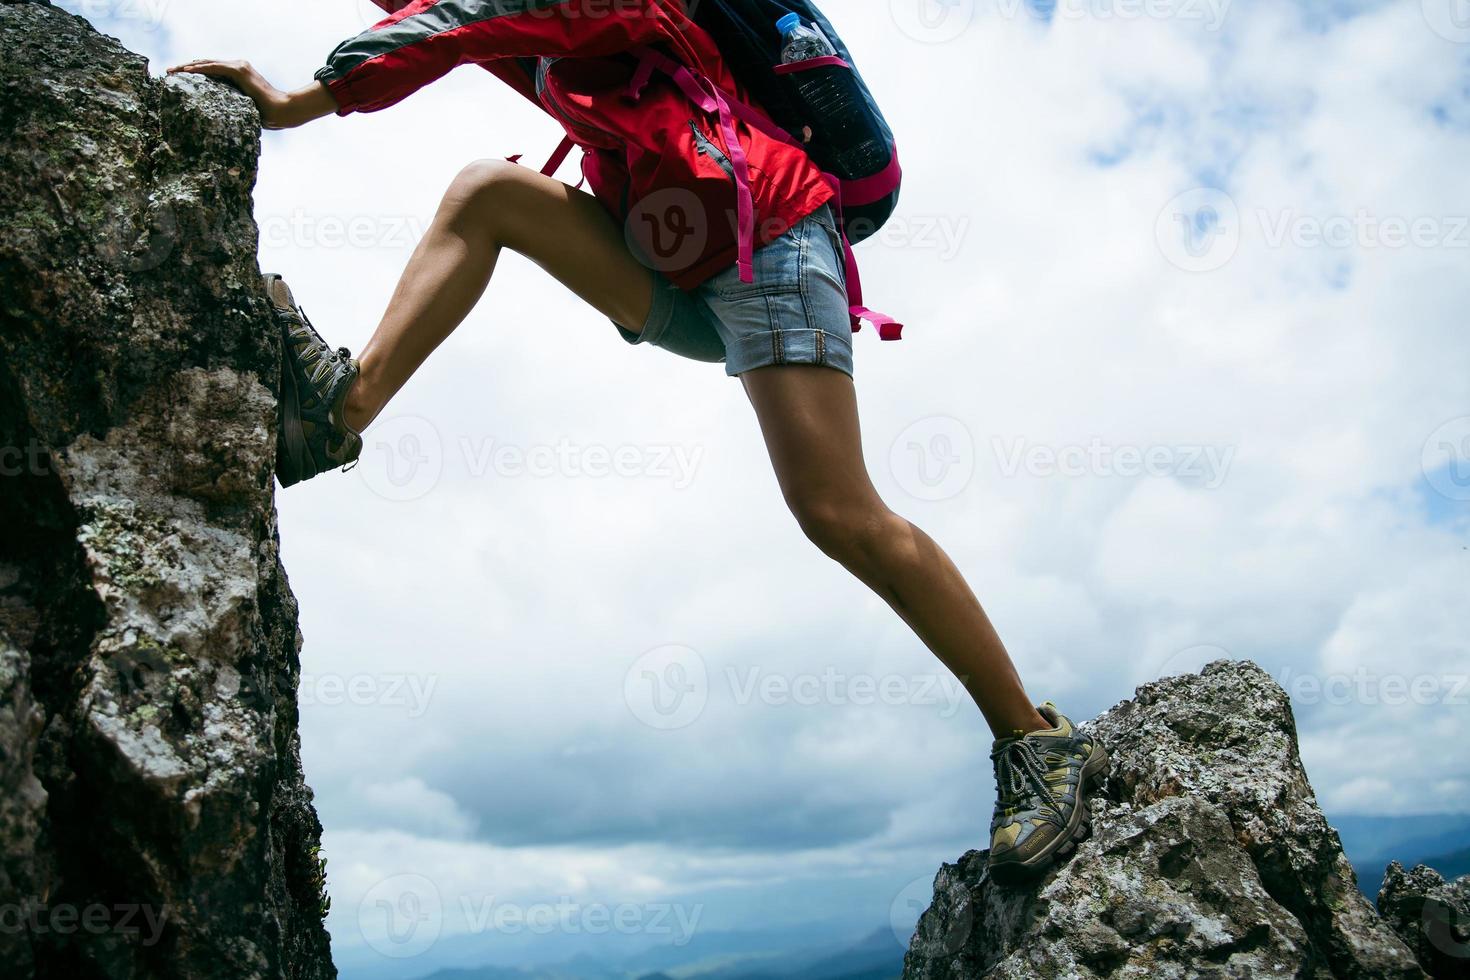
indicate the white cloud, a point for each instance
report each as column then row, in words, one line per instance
column 1052, row 150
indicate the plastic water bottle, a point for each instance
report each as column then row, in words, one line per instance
column 844, row 140
column 802, row 43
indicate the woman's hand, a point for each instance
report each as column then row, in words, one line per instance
column 278, row 110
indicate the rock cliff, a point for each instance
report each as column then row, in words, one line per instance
column 1209, row 858
column 153, row 817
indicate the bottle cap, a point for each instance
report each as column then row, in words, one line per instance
column 788, row 23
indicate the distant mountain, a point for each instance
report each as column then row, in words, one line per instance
column 1451, row 865
column 877, row 956
column 1440, row 841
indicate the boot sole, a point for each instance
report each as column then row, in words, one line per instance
column 293, row 458
column 1078, row 828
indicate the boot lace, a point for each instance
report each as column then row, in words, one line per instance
column 1020, row 776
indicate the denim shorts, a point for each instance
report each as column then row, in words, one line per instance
column 794, row 313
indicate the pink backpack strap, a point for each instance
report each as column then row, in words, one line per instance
column 864, row 191
column 705, row 94
column 708, row 97
column 558, row 156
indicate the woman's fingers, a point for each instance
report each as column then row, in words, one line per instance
column 209, row 66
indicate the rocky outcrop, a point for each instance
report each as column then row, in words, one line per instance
column 1431, row 915
column 1209, row 858
column 153, row 817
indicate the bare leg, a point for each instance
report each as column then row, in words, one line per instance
column 493, row 205
column 809, row 418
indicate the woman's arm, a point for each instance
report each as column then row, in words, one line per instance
column 278, row 110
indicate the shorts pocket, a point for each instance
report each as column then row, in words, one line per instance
column 777, row 268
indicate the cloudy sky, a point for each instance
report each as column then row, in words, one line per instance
column 1186, row 377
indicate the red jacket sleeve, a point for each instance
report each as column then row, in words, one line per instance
column 428, row 38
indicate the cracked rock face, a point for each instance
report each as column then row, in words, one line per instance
column 153, row 817
column 1209, row 858
column 1431, row 915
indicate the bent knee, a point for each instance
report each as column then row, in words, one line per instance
column 846, row 532
column 479, row 185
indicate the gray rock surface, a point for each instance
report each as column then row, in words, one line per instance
column 1209, row 858
column 153, row 817
column 1431, row 915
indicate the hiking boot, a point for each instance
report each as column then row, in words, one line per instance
column 312, row 436
column 1043, row 778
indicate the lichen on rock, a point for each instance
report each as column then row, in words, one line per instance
column 1209, row 858
column 1431, row 915
column 149, row 756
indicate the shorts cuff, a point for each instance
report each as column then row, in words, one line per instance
column 660, row 315
column 803, row 346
